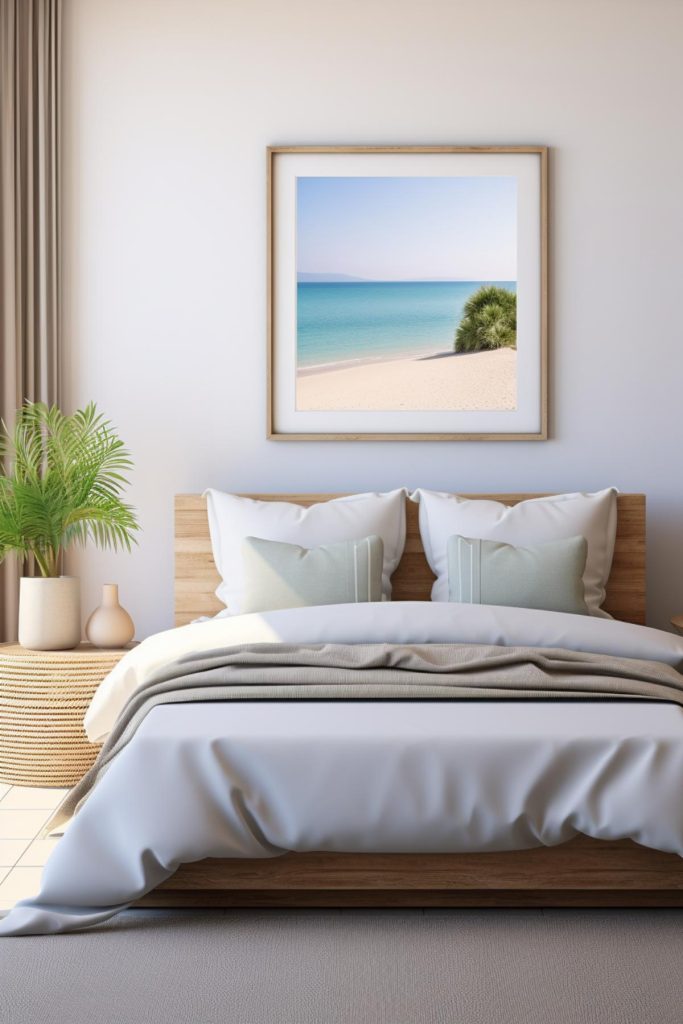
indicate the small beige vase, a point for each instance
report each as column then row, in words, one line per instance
column 110, row 625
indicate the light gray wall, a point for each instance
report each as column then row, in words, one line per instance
column 168, row 108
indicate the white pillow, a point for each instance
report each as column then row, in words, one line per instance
column 536, row 521
column 232, row 518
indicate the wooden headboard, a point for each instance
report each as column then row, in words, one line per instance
column 196, row 577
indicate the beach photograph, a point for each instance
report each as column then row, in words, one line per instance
column 406, row 293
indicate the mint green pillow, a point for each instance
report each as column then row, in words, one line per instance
column 547, row 576
column 279, row 575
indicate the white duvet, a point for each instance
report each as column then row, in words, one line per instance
column 258, row 779
column 398, row 622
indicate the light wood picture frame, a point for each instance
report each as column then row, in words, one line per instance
column 383, row 262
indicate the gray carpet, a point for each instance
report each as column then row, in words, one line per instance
column 352, row 967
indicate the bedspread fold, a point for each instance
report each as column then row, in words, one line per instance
column 234, row 779
column 380, row 671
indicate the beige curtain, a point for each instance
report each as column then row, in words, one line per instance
column 29, row 224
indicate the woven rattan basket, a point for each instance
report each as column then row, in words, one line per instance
column 43, row 698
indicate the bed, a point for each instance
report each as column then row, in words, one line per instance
column 582, row 872
column 570, row 784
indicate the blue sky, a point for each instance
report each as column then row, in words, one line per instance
column 407, row 229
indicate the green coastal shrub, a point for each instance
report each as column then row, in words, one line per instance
column 489, row 321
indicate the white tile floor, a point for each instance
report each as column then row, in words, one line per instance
column 23, row 812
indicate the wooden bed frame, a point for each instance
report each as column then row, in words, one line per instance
column 583, row 872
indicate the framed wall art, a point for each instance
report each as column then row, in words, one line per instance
column 407, row 293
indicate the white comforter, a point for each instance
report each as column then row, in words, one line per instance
column 398, row 622
column 256, row 779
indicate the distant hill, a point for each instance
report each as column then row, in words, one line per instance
column 304, row 278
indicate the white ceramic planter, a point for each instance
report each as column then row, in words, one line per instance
column 49, row 613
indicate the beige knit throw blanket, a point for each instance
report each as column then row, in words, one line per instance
column 380, row 672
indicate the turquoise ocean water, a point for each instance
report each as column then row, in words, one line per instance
column 379, row 320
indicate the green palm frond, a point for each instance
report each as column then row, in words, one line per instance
column 64, row 484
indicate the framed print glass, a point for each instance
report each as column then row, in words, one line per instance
column 407, row 293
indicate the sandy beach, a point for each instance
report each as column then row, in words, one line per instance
column 468, row 381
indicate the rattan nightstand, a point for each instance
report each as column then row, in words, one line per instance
column 43, row 698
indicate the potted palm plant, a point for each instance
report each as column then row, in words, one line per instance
column 64, row 477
